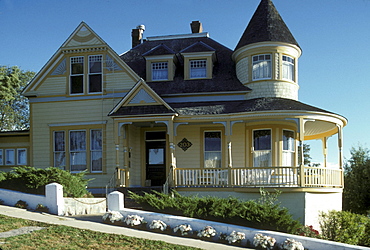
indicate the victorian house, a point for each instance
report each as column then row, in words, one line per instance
column 185, row 112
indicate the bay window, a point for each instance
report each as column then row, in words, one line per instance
column 288, row 148
column 212, row 149
column 262, row 148
column 262, row 67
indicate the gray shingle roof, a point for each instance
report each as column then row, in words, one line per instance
column 266, row 25
column 224, row 75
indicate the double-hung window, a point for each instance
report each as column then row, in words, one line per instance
column 96, row 150
column 159, row 71
column 59, row 149
column 77, row 150
column 262, row 67
column 262, row 148
column 21, row 156
column 288, row 148
column 288, row 68
column 198, row 69
column 9, row 157
column 95, row 73
column 212, row 149
column 77, row 75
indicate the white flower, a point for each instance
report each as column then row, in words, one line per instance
column 133, row 220
column 263, row 241
column 184, row 229
column 158, row 224
column 208, row 232
column 290, row 244
column 235, row 236
column 113, row 216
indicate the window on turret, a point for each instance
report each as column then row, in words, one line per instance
column 288, row 68
column 262, row 67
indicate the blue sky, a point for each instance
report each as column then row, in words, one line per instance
column 334, row 69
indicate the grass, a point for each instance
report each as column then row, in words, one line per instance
column 62, row 237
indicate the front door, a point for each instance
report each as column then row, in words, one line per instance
column 155, row 158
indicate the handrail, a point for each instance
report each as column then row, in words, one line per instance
column 111, row 184
column 283, row 176
column 166, row 184
column 118, row 175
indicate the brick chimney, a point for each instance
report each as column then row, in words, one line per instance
column 137, row 35
column 196, row 27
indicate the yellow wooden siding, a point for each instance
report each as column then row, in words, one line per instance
column 136, row 162
column 118, row 81
column 191, row 157
column 53, row 86
column 238, row 145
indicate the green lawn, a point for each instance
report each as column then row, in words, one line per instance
column 62, row 237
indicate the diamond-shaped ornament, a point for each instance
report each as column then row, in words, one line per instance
column 184, row 144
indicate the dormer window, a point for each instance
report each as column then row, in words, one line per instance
column 159, row 71
column 288, row 68
column 198, row 69
column 262, row 67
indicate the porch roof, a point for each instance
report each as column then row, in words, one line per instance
column 241, row 106
column 142, row 110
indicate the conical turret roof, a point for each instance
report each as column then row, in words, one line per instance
column 266, row 25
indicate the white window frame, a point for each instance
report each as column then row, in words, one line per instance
column 262, row 157
column 77, row 59
column 197, row 68
column 55, row 152
column 92, row 151
column 217, row 164
column 262, row 67
column 159, row 71
column 288, row 154
column 12, row 163
column 93, row 59
column 77, row 151
column 288, row 68
column 19, row 154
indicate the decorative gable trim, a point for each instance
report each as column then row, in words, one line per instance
column 61, row 69
column 141, row 94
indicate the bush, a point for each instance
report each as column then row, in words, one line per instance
column 263, row 214
column 21, row 204
column 33, row 180
column 345, row 227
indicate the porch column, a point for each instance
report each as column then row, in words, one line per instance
column 340, row 146
column 325, row 150
column 301, row 156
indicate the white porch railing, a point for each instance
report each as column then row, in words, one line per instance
column 258, row 177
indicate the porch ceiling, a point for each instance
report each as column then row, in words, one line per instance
column 318, row 129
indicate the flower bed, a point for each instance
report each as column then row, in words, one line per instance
column 207, row 232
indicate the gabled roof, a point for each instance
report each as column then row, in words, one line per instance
column 161, row 49
column 197, row 47
column 81, row 38
column 140, row 100
column 224, row 76
column 266, row 25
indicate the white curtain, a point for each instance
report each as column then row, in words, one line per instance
column 262, row 158
column 77, row 150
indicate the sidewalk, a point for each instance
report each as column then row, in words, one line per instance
column 94, row 223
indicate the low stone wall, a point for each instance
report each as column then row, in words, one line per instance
column 55, row 201
column 78, row 206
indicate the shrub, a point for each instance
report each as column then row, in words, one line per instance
column 264, row 213
column 345, row 227
column 33, row 180
column 42, row 208
column 21, row 204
